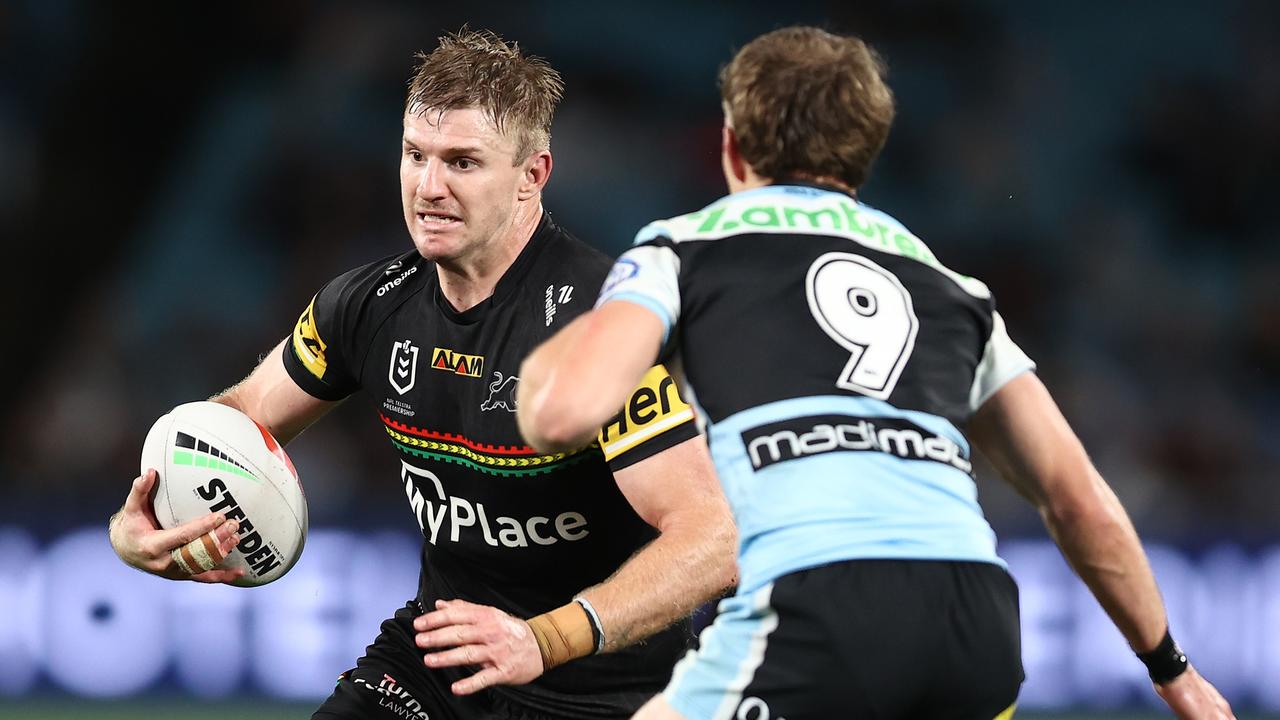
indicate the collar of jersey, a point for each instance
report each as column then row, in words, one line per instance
column 817, row 186
column 782, row 187
column 509, row 281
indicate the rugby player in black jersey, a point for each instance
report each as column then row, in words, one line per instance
column 541, row 572
column 841, row 371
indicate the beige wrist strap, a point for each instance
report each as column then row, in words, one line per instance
column 563, row 635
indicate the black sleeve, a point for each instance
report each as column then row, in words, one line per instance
column 655, row 418
column 320, row 353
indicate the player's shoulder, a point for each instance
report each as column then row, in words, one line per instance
column 802, row 210
column 382, row 281
column 569, row 258
column 562, row 280
column 774, row 208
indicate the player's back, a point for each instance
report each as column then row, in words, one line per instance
column 835, row 361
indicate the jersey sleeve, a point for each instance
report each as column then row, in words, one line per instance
column 1002, row 361
column 655, row 418
column 647, row 275
column 317, row 354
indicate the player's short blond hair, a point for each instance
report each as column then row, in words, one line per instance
column 804, row 102
column 478, row 69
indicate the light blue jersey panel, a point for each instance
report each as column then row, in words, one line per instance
column 866, row 481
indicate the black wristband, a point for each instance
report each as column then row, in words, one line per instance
column 1166, row 662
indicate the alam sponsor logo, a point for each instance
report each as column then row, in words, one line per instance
column 459, row 514
column 456, row 362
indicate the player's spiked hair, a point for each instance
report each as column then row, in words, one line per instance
column 806, row 103
column 478, row 69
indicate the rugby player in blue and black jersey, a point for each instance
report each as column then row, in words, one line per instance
column 842, row 372
column 541, row 572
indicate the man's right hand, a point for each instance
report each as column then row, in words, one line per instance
column 1191, row 697
column 138, row 539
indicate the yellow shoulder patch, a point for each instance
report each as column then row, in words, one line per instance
column 307, row 343
column 653, row 408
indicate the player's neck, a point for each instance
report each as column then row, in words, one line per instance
column 467, row 281
column 826, row 181
column 752, row 181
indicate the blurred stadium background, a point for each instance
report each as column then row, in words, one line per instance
column 176, row 182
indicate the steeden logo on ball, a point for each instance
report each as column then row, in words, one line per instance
column 213, row 458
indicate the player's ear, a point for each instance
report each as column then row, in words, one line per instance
column 735, row 168
column 537, row 170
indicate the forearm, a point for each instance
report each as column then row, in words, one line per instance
column 273, row 400
column 1100, row 543
column 574, row 382
column 545, row 416
column 664, row 582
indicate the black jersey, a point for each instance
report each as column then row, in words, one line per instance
column 836, row 362
column 503, row 524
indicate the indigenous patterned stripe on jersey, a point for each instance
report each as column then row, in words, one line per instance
column 835, row 360
column 504, row 524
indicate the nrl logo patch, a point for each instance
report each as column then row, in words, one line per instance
column 404, row 366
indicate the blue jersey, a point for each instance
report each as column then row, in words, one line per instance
column 834, row 362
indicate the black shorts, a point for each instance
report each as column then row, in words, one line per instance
column 390, row 681
column 862, row 638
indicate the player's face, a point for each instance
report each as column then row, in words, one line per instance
column 459, row 182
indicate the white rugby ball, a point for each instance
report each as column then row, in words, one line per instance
column 214, row 458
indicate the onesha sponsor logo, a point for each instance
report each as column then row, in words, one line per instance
column 820, row 434
column 392, row 284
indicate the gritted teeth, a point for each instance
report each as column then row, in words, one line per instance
column 436, row 217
